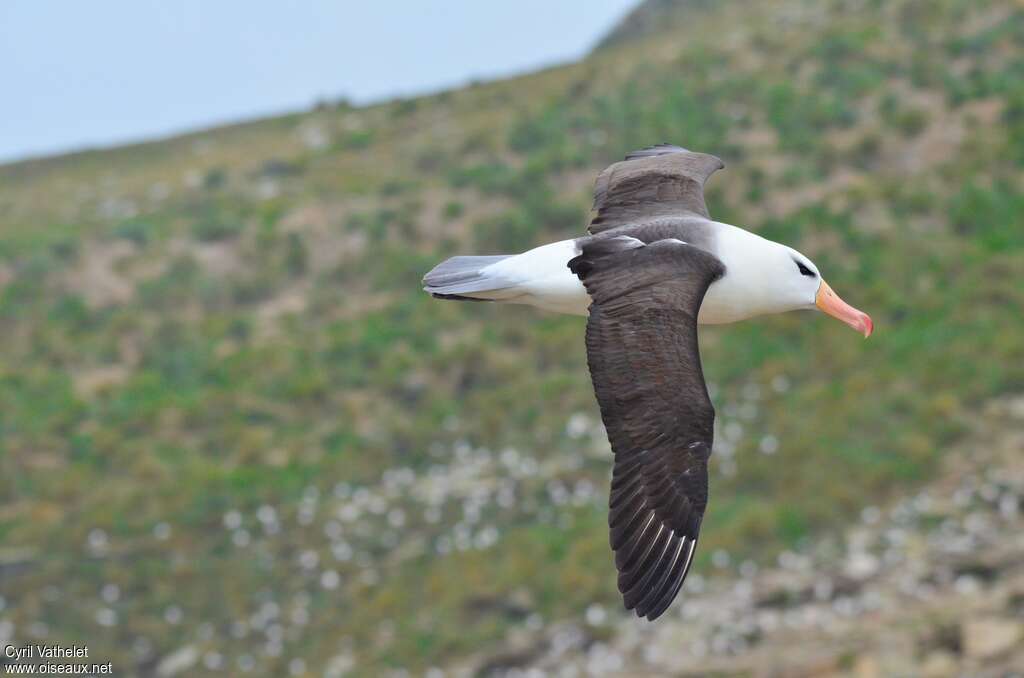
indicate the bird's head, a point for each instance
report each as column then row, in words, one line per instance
column 802, row 284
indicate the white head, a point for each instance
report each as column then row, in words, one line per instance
column 763, row 276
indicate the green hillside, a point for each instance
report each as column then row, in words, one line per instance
column 236, row 435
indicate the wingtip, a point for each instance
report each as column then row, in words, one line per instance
column 649, row 615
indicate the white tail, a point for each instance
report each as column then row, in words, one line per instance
column 539, row 277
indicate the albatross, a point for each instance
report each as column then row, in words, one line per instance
column 653, row 266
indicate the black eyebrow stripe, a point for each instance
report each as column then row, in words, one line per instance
column 804, row 270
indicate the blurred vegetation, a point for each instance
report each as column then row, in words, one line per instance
column 230, row 419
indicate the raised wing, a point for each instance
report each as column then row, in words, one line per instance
column 645, row 366
column 653, row 182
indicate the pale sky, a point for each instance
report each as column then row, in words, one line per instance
column 77, row 74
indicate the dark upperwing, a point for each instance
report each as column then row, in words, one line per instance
column 653, row 182
column 645, row 366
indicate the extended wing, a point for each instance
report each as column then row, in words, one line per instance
column 645, row 366
column 650, row 183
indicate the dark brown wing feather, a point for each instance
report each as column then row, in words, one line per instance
column 650, row 183
column 645, row 367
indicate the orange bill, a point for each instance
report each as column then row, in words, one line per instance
column 829, row 302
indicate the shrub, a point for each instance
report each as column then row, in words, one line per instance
column 358, row 140
column 453, row 209
column 296, row 256
column 216, row 227
column 135, row 231
column 912, row 122
column 215, row 178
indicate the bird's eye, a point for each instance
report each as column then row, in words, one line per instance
column 804, row 270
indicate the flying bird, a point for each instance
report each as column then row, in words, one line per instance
column 653, row 267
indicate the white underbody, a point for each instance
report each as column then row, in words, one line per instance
column 544, row 280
